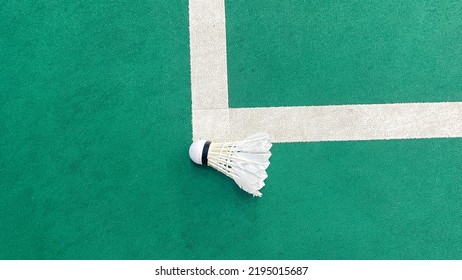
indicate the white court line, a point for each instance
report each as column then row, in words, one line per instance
column 209, row 73
column 214, row 120
column 351, row 122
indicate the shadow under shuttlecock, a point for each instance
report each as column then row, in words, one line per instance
column 223, row 182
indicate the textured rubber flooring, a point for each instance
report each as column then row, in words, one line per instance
column 95, row 124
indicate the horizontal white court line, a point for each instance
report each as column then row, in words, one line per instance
column 334, row 123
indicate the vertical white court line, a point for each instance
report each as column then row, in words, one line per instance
column 209, row 82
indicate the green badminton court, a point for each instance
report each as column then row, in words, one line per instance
column 99, row 102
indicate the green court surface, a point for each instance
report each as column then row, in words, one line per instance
column 95, row 110
column 343, row 52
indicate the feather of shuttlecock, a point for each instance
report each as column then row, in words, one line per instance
column 244, row 161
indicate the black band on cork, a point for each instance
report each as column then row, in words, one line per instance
column 205, row 152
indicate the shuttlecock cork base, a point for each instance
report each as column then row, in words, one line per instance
column 244, row 161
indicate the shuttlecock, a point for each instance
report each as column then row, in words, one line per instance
column 244, row 161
